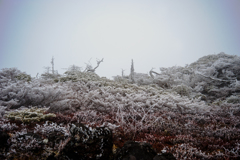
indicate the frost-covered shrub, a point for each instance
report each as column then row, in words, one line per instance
column 2, row 111
column 24, row 77
column 24, row 145
column 49, row 128
column 182, row 90
column 73, row 70
column 121, row 79
column 237, row 85
column 50, row 76
column 9, row 74
column 7, row 126
column 68, row 78
column 142, row 79
column 220, row 66
column 197, row 132
column 29, row 115
column 83, row 75
column 233, row 99
column 36, row 93
column 209, row 75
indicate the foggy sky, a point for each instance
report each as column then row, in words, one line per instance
column 154, row 33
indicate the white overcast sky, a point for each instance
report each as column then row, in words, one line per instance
column 154, row 33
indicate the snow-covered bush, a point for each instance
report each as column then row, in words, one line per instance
column 76, row 76
column 9, row 74
column 209, row 75
column 24, row 77
column 182, row 90
column 36, row 93
column 50, row 76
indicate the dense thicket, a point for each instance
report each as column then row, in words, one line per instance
column 213, row 77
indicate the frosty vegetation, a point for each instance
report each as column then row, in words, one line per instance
column 191, row 111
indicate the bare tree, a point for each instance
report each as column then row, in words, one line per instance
column 52, row 62
column 123, row 73
column 89, row 67
column 47, row 73
column 132, row 72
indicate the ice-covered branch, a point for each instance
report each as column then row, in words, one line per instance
column 151, row 73
column 89, row 67
column 215, row 79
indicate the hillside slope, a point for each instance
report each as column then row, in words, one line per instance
column 190, row 111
